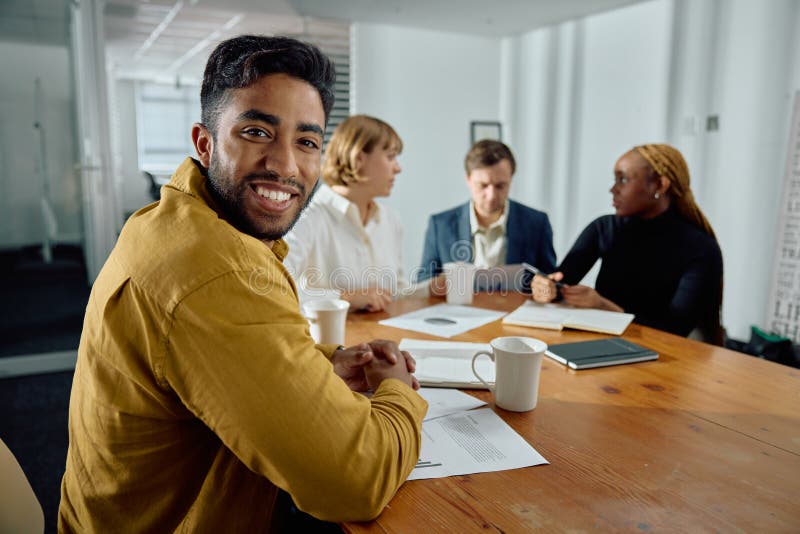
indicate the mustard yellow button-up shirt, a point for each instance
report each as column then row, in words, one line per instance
column 198, row 389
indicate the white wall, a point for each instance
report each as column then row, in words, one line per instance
column 740, row 167
column 428, row 86
column 586, row 91
column 574, row 97
column 584, row 95
column 20, row 183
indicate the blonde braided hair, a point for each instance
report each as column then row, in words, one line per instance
column 667, row 161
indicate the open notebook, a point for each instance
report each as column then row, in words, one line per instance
column 558, row 317
column 448, row 364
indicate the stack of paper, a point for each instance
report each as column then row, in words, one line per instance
column 557, row 317
column 460, row 442
column 448, row 364
column 477, row 441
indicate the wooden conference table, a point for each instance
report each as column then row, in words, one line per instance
column 703, row 439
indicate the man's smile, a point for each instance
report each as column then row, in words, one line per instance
column 274, row 197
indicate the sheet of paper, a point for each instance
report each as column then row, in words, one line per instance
column 449, row 363
column 599, row 321
column 443, row 402
column 444, row 320
column 538, row 315
column 478, row 441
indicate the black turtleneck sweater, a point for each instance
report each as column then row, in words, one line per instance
column 664, row 270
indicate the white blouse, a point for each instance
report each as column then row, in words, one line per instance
column 331, row 251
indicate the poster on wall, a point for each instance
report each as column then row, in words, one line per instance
column 784, row 307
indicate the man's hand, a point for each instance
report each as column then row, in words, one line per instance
column 543, row 288
column 389, row 351
column 379, row 370
column 351, row 363
column 371, row 299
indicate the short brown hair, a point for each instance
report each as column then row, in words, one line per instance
column 243, row 60
column 486, row 153
column 356, row 134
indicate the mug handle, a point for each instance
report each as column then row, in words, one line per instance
column 474, row 358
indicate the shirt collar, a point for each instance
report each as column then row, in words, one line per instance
column 190, row 178
column 342, row 206
column 475, row 227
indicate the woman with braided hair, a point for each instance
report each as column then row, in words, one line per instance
column 346, row 245
column 660, row 259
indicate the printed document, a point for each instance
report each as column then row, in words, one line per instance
column 444, row 320
column 443, row 402
column 478, row 441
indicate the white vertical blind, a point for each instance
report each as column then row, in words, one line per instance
column 333, row 38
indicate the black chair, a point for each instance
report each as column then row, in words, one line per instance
column 155, row 189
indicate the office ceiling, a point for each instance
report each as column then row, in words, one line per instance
column 170, row 39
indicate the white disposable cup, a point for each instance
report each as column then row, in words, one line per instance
column 459, row 281
column 327, row 318
column 517, row 361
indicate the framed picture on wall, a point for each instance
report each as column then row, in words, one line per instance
column 485, row 130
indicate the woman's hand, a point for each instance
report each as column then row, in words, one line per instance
column 543, row 288
column 587, row 297
column 371, row 299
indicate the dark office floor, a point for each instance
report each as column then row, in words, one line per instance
column 41, row 305
column 34, row 426
column 41, row 310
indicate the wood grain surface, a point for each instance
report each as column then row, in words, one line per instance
column 702, row 440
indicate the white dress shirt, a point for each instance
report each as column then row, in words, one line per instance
column 489, row 243
column 331, row 251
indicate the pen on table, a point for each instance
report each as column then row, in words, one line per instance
column 534, row 270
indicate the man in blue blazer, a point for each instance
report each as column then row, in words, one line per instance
column 490, row 230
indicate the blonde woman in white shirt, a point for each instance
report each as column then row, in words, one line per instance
column 346, row 244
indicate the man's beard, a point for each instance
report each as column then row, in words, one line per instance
column 230, row 194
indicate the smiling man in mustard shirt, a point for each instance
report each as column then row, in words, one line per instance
column 198, row 392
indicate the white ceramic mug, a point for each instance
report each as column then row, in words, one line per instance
column 327, row 318
column 459, row 280
column 517, row 361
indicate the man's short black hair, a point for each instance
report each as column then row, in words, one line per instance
column 241, row 61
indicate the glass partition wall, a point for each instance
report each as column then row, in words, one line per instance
column 44, row 284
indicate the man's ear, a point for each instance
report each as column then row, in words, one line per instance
column 203, row 143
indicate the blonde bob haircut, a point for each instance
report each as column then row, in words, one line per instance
column 359, row 133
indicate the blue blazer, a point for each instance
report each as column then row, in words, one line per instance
column 528, row 233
